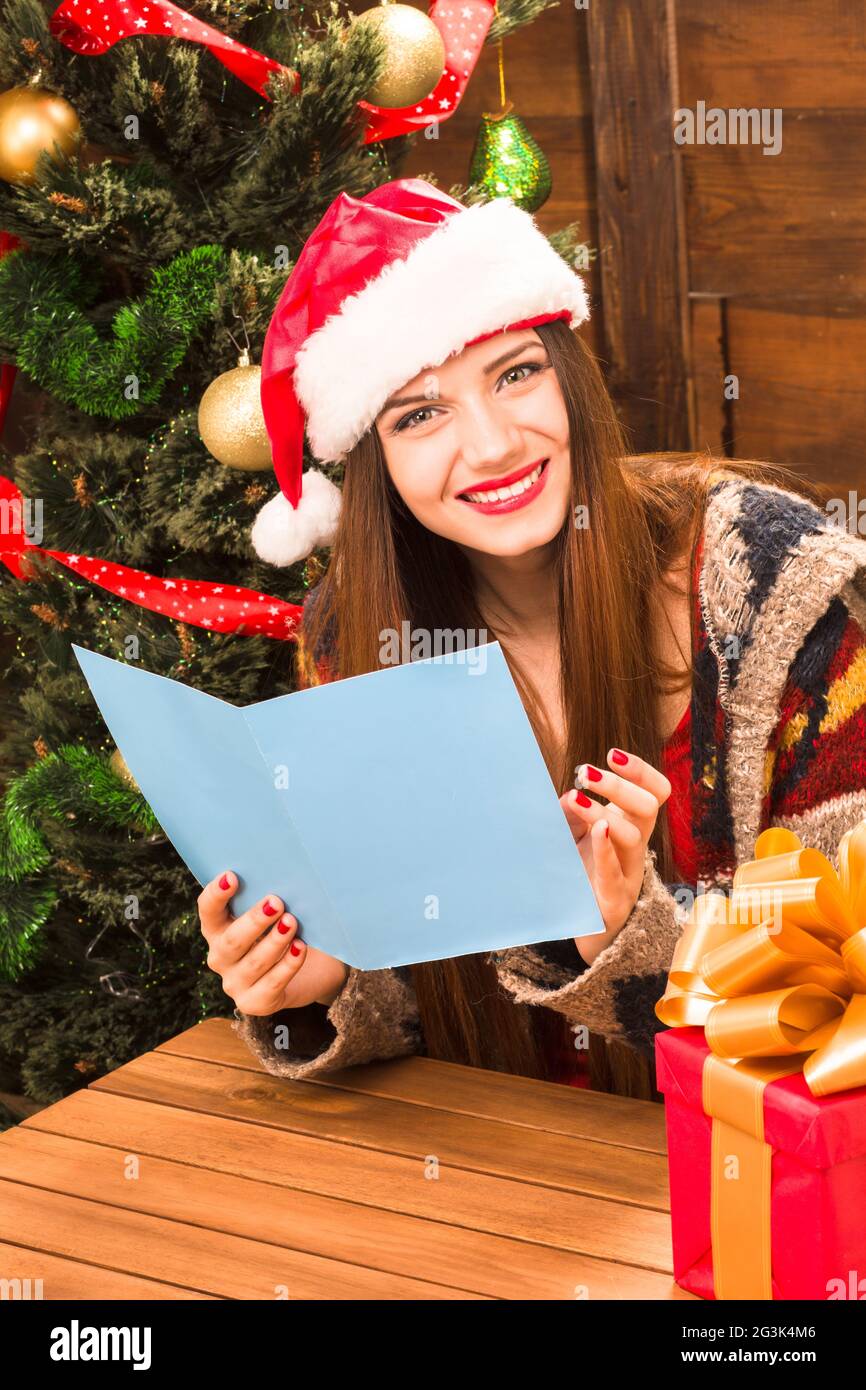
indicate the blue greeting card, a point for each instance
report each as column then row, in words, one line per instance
column 405, row 815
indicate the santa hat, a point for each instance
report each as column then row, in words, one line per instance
column 386, row 286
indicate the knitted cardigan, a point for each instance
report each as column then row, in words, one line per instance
column 778, row 737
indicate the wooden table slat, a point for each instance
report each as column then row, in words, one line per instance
column 339, row 1228
column 192, row 1257
column 489, row 1146
column 492, row 1095
column 66, row 1279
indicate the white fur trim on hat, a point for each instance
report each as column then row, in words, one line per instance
column 282, row 534
column 487, row 266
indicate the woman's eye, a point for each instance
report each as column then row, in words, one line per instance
column 404, row 423
column 531, row 367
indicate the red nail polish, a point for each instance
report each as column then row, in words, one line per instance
column 583, row 799
column 619, row 757
column 283, row 927
column 607, row 832
column 224, row 883
column 295, row 949
column 268, row 908
column 593, row 773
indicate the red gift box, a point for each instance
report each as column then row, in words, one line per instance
column 815, row 1150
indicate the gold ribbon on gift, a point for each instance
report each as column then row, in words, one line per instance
column 775, row 975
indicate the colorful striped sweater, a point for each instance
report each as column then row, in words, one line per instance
column 777, row 736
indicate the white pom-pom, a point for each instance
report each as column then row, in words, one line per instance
column 282, row 533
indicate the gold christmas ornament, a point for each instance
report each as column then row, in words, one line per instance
column 31, row 120
column 230, row 418
column 415, row 57
column 119, row 767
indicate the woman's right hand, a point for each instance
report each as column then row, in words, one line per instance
column 264, row 974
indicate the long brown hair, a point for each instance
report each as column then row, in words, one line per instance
column 645, row 513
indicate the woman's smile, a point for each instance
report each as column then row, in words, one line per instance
column 508, row 496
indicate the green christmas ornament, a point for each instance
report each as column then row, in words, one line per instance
column 508, row 163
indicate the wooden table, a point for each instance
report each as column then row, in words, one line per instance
column 191, row 1173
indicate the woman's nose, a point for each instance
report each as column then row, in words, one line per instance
column 486, row 438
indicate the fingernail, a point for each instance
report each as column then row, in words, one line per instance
column 225, row 882
column 268, row 908
column 284, row 925
column 593, row 773
column 607, row 832
column 582, row 799
column 618, row 756
column 295, row 949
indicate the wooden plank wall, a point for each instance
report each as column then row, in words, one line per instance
column 640, row 210
column 778, row 242
column 775, row 245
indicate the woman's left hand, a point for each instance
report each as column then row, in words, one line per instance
column 613, row 839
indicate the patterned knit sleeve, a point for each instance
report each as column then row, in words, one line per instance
column 373, row 1018
column 615, row 995
column 815, row 766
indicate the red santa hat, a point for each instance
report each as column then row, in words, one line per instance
column 386, row 286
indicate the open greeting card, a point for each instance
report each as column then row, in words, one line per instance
column 405, row 815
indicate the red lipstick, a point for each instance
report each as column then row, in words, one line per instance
column 503, row 482
column 509, row 504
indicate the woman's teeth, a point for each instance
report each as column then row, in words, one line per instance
column 499, row 494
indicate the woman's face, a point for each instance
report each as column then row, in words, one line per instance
column 485, row 420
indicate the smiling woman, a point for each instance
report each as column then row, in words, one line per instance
column 488, row 488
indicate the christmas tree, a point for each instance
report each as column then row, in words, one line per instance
column 142, row 253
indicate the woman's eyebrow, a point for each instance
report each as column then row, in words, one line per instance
column 491, row 367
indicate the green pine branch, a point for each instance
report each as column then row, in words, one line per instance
column 56, row 343
column 515, row 14
column 25, row 907
column 72, row 783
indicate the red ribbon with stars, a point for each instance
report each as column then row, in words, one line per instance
column 94, row 28
column 219, row 607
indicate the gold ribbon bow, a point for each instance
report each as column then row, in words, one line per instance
column 775, row 975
